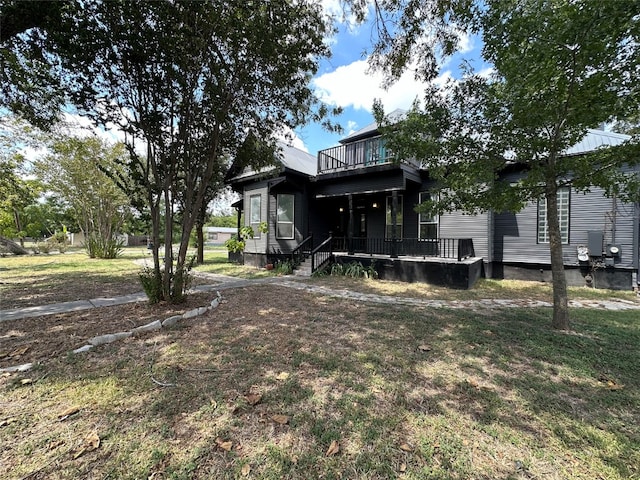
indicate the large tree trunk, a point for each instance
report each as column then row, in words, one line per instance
column 560, row 300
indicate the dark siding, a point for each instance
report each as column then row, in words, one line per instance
column 516, row 234
column 460, row 225
column 392, row 180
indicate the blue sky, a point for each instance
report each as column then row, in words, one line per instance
column 344, row 80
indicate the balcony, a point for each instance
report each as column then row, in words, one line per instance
column 364, row 153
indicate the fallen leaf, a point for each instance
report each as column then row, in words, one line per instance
column 473, row 383
column 611, row 385
column 68, row 412
column 246, row 468
column 224, row 445
column 8, row 421
column 282, row 376
column 56, row 444
column 406, row 447
column 89, row 443
column 281, row 419
column 403, row 467
column 424, row 348
column 26, row 381
column 19, row 351
column 333, row 448
column 253, row 398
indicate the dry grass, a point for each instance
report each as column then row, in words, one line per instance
column 405, row 392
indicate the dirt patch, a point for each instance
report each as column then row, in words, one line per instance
column 34, row 340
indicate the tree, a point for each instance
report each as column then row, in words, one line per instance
column 559, row 69
column 74, row 171
column 16, row 194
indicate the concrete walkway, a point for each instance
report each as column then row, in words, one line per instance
column 223, row 282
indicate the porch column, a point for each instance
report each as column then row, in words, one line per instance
column 239, row 214
column 350, row 229
column 394, row 223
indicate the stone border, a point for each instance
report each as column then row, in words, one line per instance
column 149, row 327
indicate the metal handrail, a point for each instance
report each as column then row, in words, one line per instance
column 302, row 251
column 323, row 253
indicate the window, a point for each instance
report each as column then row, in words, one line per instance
column 285, row 216
column 389, row 220
column 563, row 214
column 255, row 214
column 213, row 235
column 376, row 151
column 427, row 225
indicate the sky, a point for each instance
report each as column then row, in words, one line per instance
column 345, row 80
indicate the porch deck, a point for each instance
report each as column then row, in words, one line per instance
column 445, row 272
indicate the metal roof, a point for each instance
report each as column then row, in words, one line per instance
column 595, row 139
column 291, row 158
column 397, row 115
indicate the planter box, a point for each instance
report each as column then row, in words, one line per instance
column 236, row 257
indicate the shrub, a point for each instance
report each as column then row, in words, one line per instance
column 98, row 247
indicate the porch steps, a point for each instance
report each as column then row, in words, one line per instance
column 304, row 269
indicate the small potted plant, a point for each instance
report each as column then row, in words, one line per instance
column 235, row 247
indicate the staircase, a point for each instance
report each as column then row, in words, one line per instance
column 304, row 269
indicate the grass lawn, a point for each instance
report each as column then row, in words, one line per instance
column 280, row 383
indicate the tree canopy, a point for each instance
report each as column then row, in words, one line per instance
column 559, row 68
column 185, row 81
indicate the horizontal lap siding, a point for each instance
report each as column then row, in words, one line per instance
column 516, row 234
column 460, row 225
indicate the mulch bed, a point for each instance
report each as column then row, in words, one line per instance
column 37, row 339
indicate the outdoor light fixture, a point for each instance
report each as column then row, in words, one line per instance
column 341, row 209
column 375, row 205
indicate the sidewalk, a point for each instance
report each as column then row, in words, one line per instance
column 225, row 282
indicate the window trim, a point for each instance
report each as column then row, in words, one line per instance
column 293, row 216
column 542, row 230
column 435, row 218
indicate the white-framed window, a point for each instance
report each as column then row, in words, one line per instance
column 563, row 214
column 427, row 224
column 285, row 208
column 255, row 214
column 388, row 231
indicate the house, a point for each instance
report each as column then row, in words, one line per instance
column 218, row 235
column 354, row 202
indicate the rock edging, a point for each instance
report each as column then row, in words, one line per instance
column 113, row 337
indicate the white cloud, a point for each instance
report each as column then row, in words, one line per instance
column 354, row 85
column 351, row 127
column 290, row 137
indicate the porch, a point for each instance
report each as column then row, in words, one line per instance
column 445, row 261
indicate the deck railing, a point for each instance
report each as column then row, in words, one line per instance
column 364, row 153
column 454, row 248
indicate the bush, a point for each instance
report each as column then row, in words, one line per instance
column 354, row 270
column 98, row 247
column 151, row 284
column 284, row 267
column 235, row 245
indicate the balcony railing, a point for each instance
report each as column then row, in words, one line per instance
column 365, row 153
column 453, row 248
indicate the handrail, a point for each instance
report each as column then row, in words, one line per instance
column 301, row 252
column 323, row 252
column 452, row 248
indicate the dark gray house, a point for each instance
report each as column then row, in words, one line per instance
column 355, row 202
